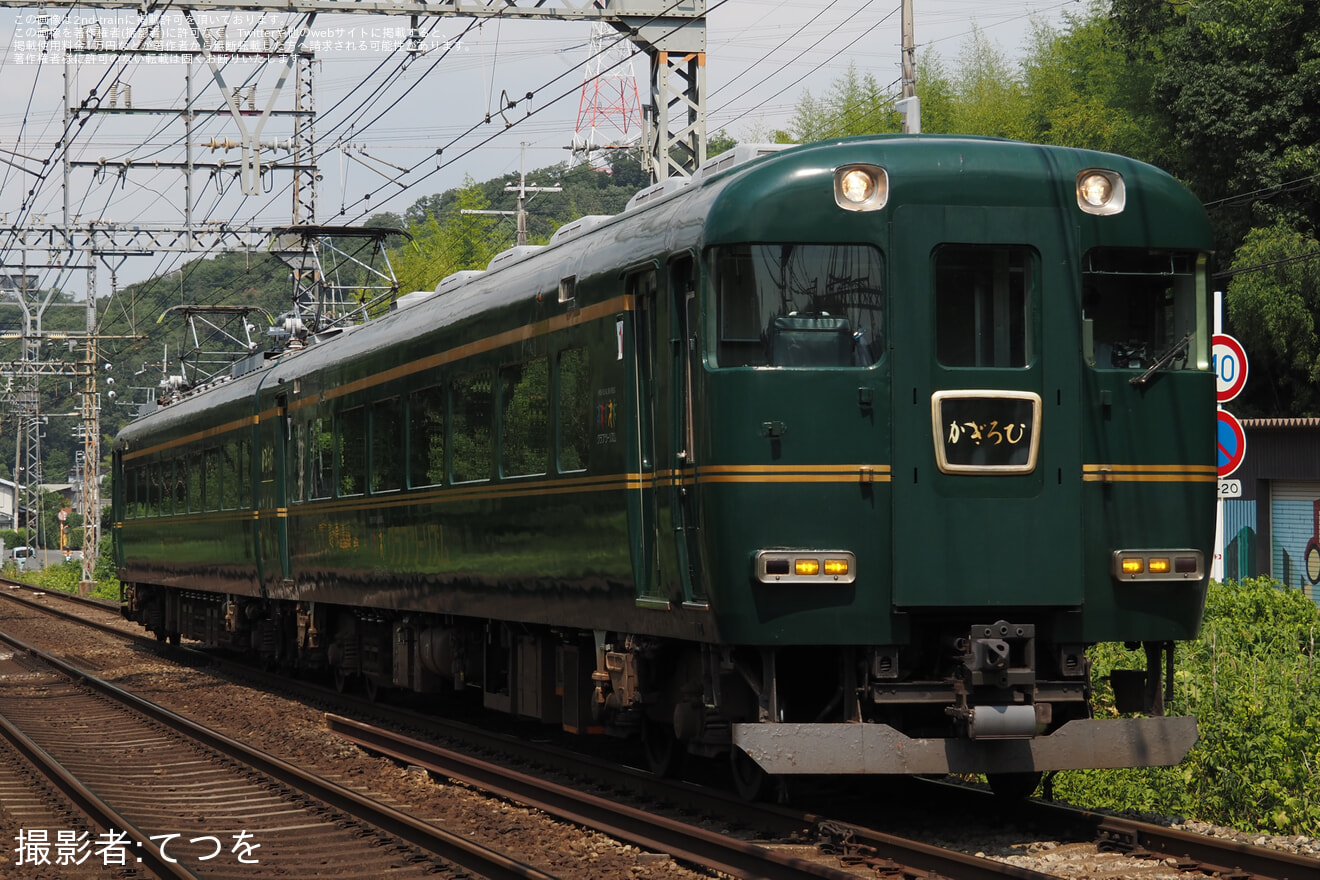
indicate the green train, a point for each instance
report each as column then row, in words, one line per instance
column 834, row 459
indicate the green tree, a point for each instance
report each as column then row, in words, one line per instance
column 1252, row 679
column 1082, row 91
column 990, row 99
column 442, row 245
column 855, row 104
column 1273, row 303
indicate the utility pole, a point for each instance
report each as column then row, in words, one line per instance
column 522, row 189
column 910, row 104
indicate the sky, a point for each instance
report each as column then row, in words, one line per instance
column 380, row 122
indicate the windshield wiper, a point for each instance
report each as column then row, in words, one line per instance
column 1179, row 347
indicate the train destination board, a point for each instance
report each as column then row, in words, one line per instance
column 986, row 431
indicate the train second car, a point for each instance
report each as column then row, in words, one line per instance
column 834, row 460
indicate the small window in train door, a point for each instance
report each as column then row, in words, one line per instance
column 567, row 288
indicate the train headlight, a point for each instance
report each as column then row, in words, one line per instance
column 1101, row 192
column 861, row 187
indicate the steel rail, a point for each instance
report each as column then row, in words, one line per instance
column 101, row 813
column 687, row 842
column 450, row 847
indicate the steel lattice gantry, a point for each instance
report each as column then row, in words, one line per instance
column 672, row 33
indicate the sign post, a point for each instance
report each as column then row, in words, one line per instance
column 1230, row 365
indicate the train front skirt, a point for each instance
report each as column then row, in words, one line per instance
column 789, row 749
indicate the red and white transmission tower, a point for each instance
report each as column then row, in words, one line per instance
column 610, row 109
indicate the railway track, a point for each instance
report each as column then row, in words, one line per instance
column 188, row 802
column 853, row 842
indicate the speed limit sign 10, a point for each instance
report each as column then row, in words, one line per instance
column 1230, row 364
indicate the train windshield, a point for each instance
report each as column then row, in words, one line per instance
column 798, row 305
column 1144, row 309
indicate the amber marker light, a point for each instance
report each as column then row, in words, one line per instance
column 1133, row 565
column 1159, row 565
column 805, row 565
column 836, row 567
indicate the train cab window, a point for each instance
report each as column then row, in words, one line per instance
column 983, row 303
column 387, row 445
column 524, row 418
column 321, row 449
column 351, row 432
column 426, row 437
column 1144, row 308
column 575, row 410
column 798, row 305
column 472, row 410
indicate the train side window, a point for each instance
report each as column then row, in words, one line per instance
column 298, row 461
column 243, row 461
column 574, row 417
column 426, row 437
column 130, row 491
column 470, row 434
column 179, row 488
column 387, row 445
column 352, row 436
column 211, row 479
column 229, row 476
column 983, row 304
column 153, row 489
column 195, row 483
column 1140, row 305
column 143, row 491
column 164, row 497
column 798, row 305
column 524, row 418
column 321, row 441
column 143, row 483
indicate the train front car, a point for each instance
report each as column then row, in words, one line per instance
column 955, row 425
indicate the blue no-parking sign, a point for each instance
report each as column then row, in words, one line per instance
column 1232, row 443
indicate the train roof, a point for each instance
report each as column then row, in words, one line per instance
column 713, row 207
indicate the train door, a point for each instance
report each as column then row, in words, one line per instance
column 686, row 359
column 272, row 509
column 119, row 498
column 641, row 454
column 986, row 438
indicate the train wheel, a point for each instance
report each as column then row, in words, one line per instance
column 1014, row 786
column 372, row 688
column 749, row 780
column 342, row 679
column 664, row 753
